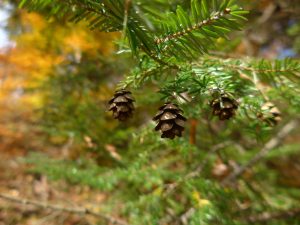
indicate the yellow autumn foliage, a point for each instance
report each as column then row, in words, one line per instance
column 200, row 202
column 43, row 45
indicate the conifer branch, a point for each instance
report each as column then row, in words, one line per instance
column 233, row 64
column 273, row 143
column 261, row 218
column 187, row 41
column 136, row 78
column 269, row 146
column 83, row 211
column 126, row 12
column 160, row 61
column 262, row 70
column 268, row 216
column 197, row 26
column 187, row 34
column 197, row 172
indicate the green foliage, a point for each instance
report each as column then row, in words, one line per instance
column 92, row 11
column 186, row 36
column 175, row 35
column 172, row 42
column 140, row 185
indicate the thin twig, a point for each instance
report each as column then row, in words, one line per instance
column 295, row 71
column 125, row 22
column 267, row 216
column 184, row 218
column 197, row 172
column 169, row 188
column 190, row 29
column 83, row 211
column 273, row 143
column 260, row 218
column 261, row 70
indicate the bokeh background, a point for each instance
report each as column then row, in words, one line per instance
column 56, row 135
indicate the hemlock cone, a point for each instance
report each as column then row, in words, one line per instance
column 224, row 107
column 270, row 114
column 170, row 121
column 122, row 105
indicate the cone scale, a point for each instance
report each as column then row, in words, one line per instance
column 170, row 121
column 122, row 105
column 224, row 107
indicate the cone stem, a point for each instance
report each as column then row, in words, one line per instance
column 193, row 131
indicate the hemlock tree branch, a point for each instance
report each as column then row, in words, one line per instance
column 83, row 211
column 197, row 172
column 268, row 216
column 184, row 218
column 188, row 30
column 273, row 143
column 171, row 43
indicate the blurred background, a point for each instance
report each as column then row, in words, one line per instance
column 56, row 135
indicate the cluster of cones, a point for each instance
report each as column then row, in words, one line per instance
column 170, row 119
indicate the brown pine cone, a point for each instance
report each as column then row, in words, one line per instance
column 270, row 114
column 122, row 105
column 224, row 107
column 170, row 121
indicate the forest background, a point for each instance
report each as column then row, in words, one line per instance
column 58, row 143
